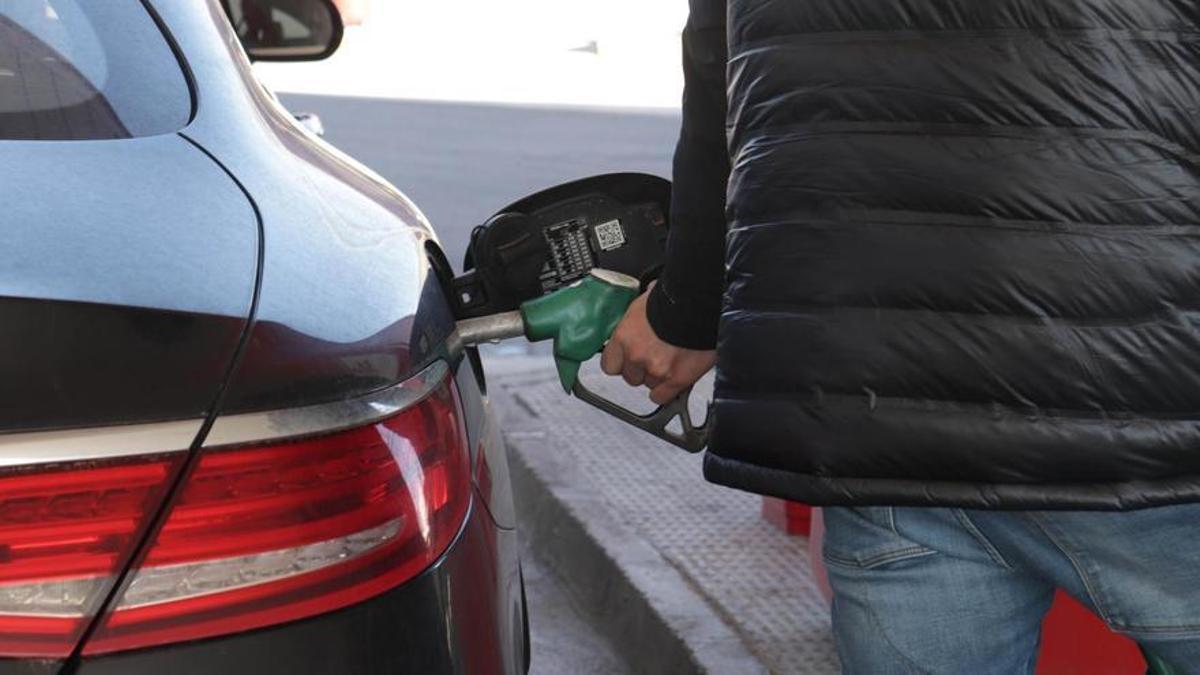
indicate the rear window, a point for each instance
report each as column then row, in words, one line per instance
column 86, row 69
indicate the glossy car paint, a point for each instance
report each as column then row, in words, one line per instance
column 121, row 309
column 243, row 231
column 334, row 235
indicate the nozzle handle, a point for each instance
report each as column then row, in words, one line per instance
column 579, row 318
column 691, row 437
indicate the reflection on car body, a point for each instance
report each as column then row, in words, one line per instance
column 186, row 269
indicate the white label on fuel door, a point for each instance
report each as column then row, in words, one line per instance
column 610, row 235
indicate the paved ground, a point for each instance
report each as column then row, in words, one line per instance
column 563, row 638
column 697, row 555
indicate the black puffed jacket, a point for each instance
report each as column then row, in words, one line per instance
column 961, row 244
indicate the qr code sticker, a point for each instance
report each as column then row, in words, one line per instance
column 610, row 235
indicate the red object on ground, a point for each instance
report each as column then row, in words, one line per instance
column 791, row 517
column 1074, row 641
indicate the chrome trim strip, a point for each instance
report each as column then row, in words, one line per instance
column 325, row 417
column 132, row 440
column 70, row 445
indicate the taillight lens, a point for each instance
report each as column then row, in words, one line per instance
column 257, row 535
column 266, row 534
column 65, row 532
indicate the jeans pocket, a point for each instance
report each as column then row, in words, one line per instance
column 866, row 537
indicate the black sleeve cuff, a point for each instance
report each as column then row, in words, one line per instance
column 683, row 322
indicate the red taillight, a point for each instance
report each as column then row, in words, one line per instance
column 65, row 532
column 267, row 534
column 257, row 535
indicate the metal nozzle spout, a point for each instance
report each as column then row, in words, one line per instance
column 491, row 328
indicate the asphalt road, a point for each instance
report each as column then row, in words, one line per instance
column 462, row 162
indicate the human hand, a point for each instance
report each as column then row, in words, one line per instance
column 636, row 353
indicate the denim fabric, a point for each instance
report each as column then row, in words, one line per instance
column 954, row 591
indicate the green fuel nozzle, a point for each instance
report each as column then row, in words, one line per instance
column 580, row 319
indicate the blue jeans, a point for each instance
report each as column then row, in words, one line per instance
column 953, row 591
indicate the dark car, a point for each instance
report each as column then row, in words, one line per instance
column 236, row 433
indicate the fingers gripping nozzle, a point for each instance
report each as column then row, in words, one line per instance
column 580, row 319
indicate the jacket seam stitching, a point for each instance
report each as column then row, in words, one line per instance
column 932, row 34
column 940, row 219
column 789, row 134
column 1055, row 322
column 725, row 392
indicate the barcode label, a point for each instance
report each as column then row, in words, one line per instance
column 610, row 235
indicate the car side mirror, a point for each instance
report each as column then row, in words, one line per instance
column 554, row 238
column 286, row 30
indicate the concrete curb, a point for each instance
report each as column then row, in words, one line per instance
column 644, row 605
